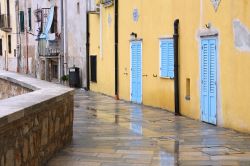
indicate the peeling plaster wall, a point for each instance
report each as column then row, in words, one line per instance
column 76, row 36
column 241, row 36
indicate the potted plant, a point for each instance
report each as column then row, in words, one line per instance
column 65, row 79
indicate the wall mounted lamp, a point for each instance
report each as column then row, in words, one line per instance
column 133, row 35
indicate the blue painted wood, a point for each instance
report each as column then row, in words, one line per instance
column 136, row 71
column 212, row 81
column 167, row 58
column 139, row 72
column 208, row 80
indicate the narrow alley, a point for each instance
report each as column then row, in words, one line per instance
column 117, row 133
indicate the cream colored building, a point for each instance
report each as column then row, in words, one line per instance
column 8, row 35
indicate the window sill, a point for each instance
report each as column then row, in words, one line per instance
column 171, row 78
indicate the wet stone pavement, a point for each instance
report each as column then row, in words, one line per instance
column 117, row 133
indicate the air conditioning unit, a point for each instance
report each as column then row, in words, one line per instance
column 107, row 3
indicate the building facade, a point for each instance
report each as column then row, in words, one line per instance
column 40, row 39
column 209, row 40
column 8, row 37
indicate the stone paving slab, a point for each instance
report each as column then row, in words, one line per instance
column 117, row 133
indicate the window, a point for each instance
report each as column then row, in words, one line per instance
column 93, row 68
column 9, row 43
column 21, row 21
column 54, row 70
column 54, row 23
column 167, row 58
column 187, row 89
column 30, row 21
column 78, row 7
column 1, row 47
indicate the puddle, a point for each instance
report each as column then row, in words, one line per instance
column 219, row 150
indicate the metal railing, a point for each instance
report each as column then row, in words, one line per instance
column 49, row 48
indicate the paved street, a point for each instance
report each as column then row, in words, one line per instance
column 117, row 133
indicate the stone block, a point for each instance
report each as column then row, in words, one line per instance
column 10, row 158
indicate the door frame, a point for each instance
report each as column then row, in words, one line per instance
column 131, row 41
column 217, row 55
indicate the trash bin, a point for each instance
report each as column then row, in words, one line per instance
column 74, row 77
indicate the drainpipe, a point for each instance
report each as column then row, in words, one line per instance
column 116, row 50
column 61, row 56
column 87, row 50
column 176, row 66
column 27, row 40
column 66, row 51
column 17, row 36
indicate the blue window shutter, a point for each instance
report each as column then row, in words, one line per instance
column 204, row 77
column 133, row 72
column 212, row 77
column 167, row 58
column 163, row 61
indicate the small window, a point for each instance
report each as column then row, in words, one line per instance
column 21, row 21
column 30, row 21
column 78, row 7
column 9, row 43
column 167, row 58
column 1, row 47
column 93, row 68
column 187, row 89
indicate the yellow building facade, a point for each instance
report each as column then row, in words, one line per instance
column 224, row 23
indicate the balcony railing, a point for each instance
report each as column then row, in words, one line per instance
column 49, row 48
column 5, row 23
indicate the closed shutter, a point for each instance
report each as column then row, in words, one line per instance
column 133, row 71
column 139, row 72
column 204, row 76
column 22, row 21
column 30, row 21
column 212, row 82
column 167, row 58
column 208, row 80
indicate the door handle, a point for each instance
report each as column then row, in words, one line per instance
column 144, row 75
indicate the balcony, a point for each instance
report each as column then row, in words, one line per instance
column 5, row 23
column 49, row 48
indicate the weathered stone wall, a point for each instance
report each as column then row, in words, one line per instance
column 43, row 130
column 10, row 89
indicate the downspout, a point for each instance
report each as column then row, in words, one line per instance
column 87, row 50
column 176, row 66
column 116, row 50
column 27, row 41
column 65, row 59
column 61, row 56
column 17, row 34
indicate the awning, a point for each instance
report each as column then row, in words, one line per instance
column 45, row 34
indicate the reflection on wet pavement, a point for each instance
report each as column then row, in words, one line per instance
column 117, row 133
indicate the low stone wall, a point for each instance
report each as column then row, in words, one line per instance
column 35, row 125
column 10, row 89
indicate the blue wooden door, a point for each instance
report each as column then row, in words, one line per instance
column 136, row 71
column 208, row 80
